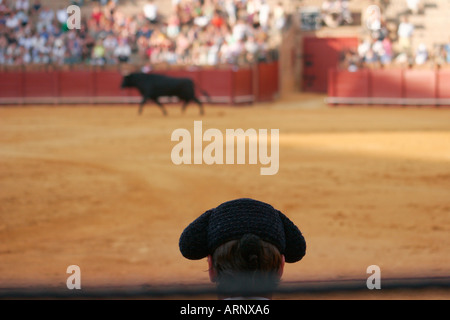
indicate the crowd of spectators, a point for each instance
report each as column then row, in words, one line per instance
column 196, row 32
column 382, row 46
column 335, row 13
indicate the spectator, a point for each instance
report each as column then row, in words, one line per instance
column 213, row 54
column 440, row 55
column 262, row 49
column 405, row 32
column 97, row 15
column 251, row 48
column 79, row 3
column 421, row 54
column 373, row 19
column 279, row 16
column 182, row 47
column 237, row 51
column 336, row 12
column 363, row 47
column 353, row 61
column 403, row 59
column 12, row 21
column 240, row 30
column 109, row 10
column 123, row 51
column 98, row 54
column 46, row 16
column 109, row 43
column 370, row 58
column 217, row 20
column 415, row 6
column 36, row 7
column 58, row 52
column 345, row 11
column 62, row 16
column 145, row 31
column 151, row 11
column 25, row 57
column 264, row 14
column 231, row 10
column 225, row 56
column 387, row 53
column 13, row 52
column 74, row 51
column 447, row 52
column 3, row 45
column 23, row 18
column 23, row 5
column 173, row 26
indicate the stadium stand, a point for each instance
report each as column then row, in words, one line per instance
column 304, row 53
column 44, row 43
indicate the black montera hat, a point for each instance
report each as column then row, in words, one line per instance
column 232, row 219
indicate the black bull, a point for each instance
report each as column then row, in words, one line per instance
column 154, row 86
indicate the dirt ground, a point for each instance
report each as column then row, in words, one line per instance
column 95, row 186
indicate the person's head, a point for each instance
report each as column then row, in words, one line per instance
column 247, row 243
column 249, row 263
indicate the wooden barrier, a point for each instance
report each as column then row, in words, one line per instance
column 352, row 84
column 218, row 84
column 243, row 86
column 389, row 87
column 12, row 86
column 76, row 86
column 443, row 87
column 267, row 81
column 230, row 86
column 386, row 84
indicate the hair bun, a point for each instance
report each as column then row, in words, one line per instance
column 250, row 249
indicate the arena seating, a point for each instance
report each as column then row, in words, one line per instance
column 399, row 84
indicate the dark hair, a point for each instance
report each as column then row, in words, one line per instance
column 248, row 266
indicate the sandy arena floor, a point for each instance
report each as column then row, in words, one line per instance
column 95, row 186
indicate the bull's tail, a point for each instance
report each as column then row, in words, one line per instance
column 206, row 94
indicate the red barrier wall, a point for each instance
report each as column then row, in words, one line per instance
column 76, row 84
column 386, row 83
column 352, row 84
column 443, row 85
column 11, row 85
column 235, row 85
column 319, row 55
column 390, row 86
column 243, row 86
column 107, row 84
column 419, row 84
column 218, row 84
column 267, row 81
column 40, row 84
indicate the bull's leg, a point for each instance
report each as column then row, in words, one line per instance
column 141, row 106
column 160, row 106
column 183, row 107
column 202, row 112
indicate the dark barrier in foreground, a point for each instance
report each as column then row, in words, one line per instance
column 196, row 290
column 229, row 86
column 390, row 87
